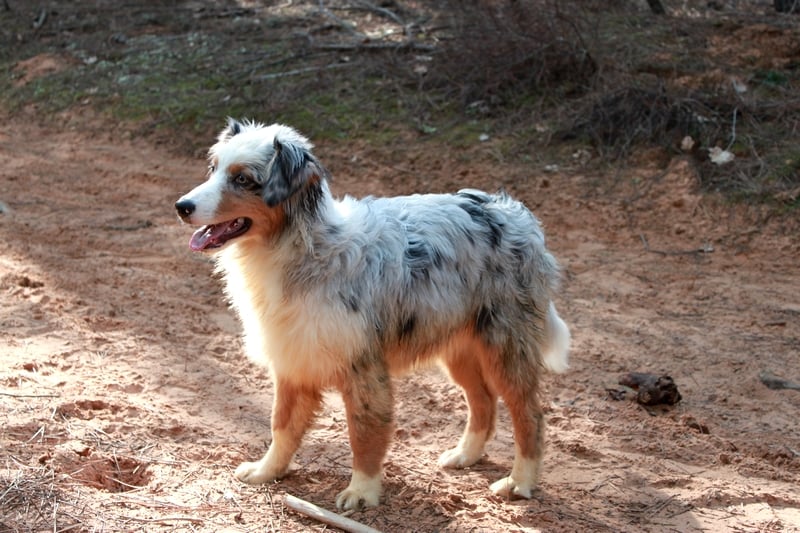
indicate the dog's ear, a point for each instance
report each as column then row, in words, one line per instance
column 292, row 167
column 234, row 127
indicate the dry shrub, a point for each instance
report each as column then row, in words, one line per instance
column 497, row 47
column 756, row 131
column 617, row 121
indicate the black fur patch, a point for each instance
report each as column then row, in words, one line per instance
column 421, row 257
column 304, row 205
column 294, row 177
column 478, row 198
column 474, row 207
column 520, row 254
column 484, row 319
column 350, row 301
column 234, row 127
column 407, row 327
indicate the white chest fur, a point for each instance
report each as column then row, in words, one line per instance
column 304, row 337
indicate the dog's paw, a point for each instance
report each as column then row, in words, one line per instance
column 257, row 473
column 363, row 491
column 509, row 488
column 467, row 453
column 458, row 457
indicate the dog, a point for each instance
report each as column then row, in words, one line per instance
column 344, row 294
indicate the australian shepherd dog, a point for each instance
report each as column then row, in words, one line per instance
column 344, row 294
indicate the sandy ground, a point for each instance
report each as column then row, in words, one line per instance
column 125, row 401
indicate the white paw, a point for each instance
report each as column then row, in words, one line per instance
column 458, row 458
column 467, row 453
column 509, row 488
column 363, row 491
column 257, row 473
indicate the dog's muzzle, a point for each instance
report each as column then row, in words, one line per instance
column 211, row 236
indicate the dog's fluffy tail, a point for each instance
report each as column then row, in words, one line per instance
column 555, row 350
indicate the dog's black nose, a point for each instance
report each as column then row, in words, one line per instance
column 185, row 208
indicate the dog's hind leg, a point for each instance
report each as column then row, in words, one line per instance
column 367, row 394
column 518, row 384
column 292, row 412
column 465, row 370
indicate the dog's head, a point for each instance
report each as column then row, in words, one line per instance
column 257, row 175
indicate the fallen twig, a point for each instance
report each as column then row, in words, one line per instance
column 326, row 517
column 143, row 224
column 305, row 70
column 15, row 395
column 775, row 383
column 705, row 249
column 40, row 20
column 372, row 46
column 166, row 520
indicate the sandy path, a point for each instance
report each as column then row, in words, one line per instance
column 126, row 400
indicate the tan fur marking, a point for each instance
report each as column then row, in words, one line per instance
column 294, row 406
column 520, row 393
column 483, row 371
column 236, row 169
column 368, row 401
column 270, row 222
column 267, row 222
column 292, row 413
column 465, row 370
column 528, row 425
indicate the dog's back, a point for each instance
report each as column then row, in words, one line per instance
column 420, row 267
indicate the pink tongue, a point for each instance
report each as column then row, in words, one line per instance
column 208, row 236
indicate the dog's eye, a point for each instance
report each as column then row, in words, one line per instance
column 241, row 179
column 211, row 169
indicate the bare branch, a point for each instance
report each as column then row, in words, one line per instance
column 325, row 516
column 305, row 70
column 404, row 45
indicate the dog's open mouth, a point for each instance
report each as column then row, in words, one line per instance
column 216, row 235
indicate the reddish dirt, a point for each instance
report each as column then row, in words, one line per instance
column 126, row 401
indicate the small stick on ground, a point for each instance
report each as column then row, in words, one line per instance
column 775, row 383
column 326, row 517
column 15, row 395
column 166, row 520
column 705, row 249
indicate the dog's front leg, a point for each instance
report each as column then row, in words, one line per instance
column 293, row 410
column 367, row 395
